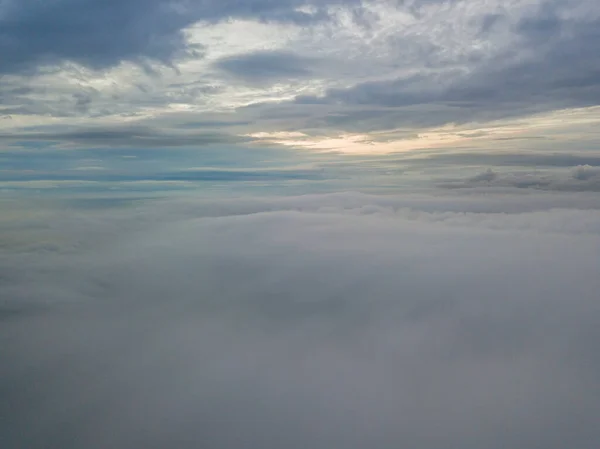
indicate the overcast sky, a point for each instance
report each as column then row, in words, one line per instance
column 303, row 224
column 349, row 75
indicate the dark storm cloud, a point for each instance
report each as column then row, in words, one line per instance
column 266, row 66
column 101, row 34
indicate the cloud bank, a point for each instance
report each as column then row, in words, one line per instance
column 343, row 321
column 581, row 178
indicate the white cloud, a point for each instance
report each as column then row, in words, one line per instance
column 343, row 320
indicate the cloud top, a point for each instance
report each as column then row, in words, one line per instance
column 344, row 320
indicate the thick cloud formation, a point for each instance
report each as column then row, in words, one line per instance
column 102, row 34
column 265, row 66
column 97, row 34
column 559, row 72
column 551, row 63
column 342, row 66
column 336, row 321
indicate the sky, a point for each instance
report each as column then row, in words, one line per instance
column 328, row 224
column 167, row 92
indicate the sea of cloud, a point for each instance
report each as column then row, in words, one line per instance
column 335, row 321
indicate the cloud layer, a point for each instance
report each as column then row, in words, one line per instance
column 101, row 35
column 323, row 68
column 580, row 179
column 464, row 316
column 343, row 320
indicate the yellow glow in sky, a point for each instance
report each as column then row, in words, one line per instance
column 450, row 135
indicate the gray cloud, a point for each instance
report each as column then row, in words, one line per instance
column 326, row 321
column 124, row 136
column 266, row 66
column 497, row 63
column 578, row 179
column 510, row 159
column 101, row 35
column 553, row 64
column 187, row 175
column 95, row 34
column 211, row 124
